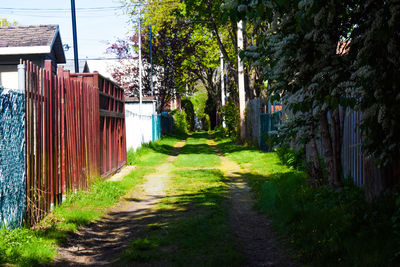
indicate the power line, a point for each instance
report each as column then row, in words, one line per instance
column 61, row 9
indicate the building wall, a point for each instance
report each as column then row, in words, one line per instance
column 139, row 128
column 148, row 108
column 9, row 76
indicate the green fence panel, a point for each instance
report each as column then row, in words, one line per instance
column 12, row 158
column 269, row 124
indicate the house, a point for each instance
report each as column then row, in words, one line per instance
column 36, row 43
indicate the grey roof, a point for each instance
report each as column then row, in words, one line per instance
column 136, row 99
column 33, row 36
column 70, row 65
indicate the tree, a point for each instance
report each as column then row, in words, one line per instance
column 298, row 55
column 5, row 23
column 376, row 47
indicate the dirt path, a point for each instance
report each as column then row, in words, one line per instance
column 101, row 242
column 251, row 228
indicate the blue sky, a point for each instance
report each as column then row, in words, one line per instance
column 95, row 27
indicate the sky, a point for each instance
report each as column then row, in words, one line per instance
column 99, row 22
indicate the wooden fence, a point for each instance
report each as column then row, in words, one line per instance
column 112, row 121
column 69, row 140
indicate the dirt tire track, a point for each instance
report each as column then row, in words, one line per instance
column 252, row 229
column 101, row 242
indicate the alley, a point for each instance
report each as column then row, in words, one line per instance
column 194, row 209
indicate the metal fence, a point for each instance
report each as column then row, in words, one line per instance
column 167, row 123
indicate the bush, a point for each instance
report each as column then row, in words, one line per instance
column 232, row 119
column 187, row 106
column 180, row 123
column 292, row 158
column 206, row 122
column 220, row 132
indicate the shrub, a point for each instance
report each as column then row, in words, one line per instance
column 232, row 118
column 206, row 122
column 292, row 158
column 187, row 106
column 180, row 123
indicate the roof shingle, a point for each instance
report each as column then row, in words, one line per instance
column 23, row 36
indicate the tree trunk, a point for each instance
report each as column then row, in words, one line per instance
column 331, row 165
column 337, row 139
column 378, row 180
column 314, row 169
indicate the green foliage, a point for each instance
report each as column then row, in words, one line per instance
column 6, row 23
column 232, row 119
column 325, row 227
column 24, row 247
column 187, row 106
column 206, row 122
column 180, row 122
column 199, row 99
column 292, row 158
column 375, row 77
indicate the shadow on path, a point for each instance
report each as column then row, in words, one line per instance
column 101, row 242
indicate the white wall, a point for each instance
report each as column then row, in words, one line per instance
column 148, row 108
column 138, row 127
column 138, row 130
column 9, row 76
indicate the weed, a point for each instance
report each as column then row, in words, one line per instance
column 37, row 245
column 191, row 224
column 325, row 227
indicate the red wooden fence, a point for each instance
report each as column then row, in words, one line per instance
column 65, row 132
column 112, row 121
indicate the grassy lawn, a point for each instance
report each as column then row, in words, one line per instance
column 38, row 246
column 196, row 153
column 323, row 227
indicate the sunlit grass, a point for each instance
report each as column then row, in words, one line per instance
column 252, row 159
column 151, row 154
column 196, row 153
column 27, row 247
column 191, row 225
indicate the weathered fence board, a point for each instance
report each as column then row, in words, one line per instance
column 111, row 112
column 68, row 141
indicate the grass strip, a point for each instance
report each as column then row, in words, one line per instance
column 29, row 247
column 196, row 153
column 323, row 226
column 189, row 227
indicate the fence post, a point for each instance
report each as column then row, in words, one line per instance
column 21, row 77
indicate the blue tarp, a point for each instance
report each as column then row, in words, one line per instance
column 12, row 158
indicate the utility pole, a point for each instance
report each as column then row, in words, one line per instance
column 226, row 81
column 151, row 63
column 140, row 66
column 222, row 87
column 242, row 94
column 74, row 36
